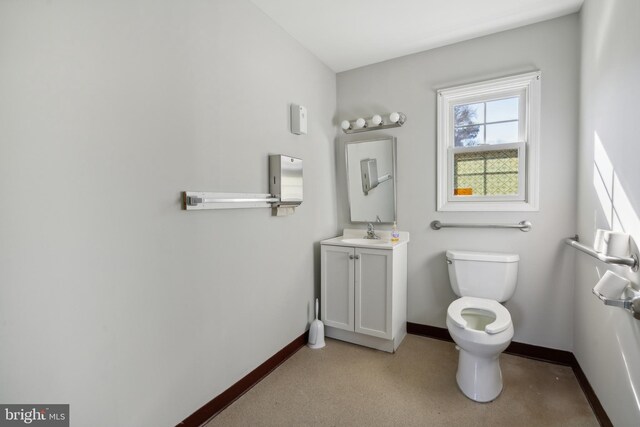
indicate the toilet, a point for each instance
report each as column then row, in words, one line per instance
column 481, row 326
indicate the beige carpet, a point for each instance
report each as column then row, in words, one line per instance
column 347, row 385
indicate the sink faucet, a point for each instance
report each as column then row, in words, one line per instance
column 371, row 233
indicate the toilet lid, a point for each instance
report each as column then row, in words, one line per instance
column 503, row 318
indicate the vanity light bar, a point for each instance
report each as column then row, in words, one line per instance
column 375, row 122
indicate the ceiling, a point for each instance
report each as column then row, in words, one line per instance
column 346, row 34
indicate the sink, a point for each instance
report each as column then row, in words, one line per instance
column 361, row 241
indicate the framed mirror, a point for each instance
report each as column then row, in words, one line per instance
column 371, row 180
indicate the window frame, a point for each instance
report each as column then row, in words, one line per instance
column 527, row 87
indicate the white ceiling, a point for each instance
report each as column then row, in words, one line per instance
column 346, row 34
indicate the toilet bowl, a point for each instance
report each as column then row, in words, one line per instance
column 482, row 329
column 480, row 326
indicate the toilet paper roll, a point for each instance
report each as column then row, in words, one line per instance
column 598, row 240
column 616, row 244
column 610, row 285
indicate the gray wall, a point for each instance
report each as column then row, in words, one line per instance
column 112, row 299
column 542, row 306
column 607, row 339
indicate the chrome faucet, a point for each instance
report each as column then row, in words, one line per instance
column 371, row 233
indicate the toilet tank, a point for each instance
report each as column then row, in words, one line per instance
column 490, row 275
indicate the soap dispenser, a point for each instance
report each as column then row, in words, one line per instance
column 395, row 234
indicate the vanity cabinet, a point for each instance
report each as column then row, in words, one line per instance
column 364, row 293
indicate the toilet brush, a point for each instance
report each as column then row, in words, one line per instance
column 316, row 332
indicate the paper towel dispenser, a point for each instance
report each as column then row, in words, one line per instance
column 369, row 175
column 285, row 180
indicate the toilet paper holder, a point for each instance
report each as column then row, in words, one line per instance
column 631, row 302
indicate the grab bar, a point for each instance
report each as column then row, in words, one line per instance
column 631, row 261
column 522, row 225
column 193, row 200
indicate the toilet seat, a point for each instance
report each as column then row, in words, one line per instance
column 501, row 323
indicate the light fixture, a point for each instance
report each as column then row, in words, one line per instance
column 396, row 117
column 374, row 122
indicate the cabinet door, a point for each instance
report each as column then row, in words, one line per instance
column 373, row 268
column 337, row 281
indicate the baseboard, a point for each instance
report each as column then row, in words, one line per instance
column 429, row 331
column 545, row 354
column 596, row 406
column 224, row 399
column 560, row 357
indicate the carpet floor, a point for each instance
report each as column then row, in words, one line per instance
column 348, row 385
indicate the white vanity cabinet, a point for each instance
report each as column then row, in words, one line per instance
column 364, row 292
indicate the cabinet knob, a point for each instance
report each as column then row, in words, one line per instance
column 357, row 257
column 351, row 257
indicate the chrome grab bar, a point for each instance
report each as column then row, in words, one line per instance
column 631, row 261
column 193, row 200
column 522, row 225
column 631, row 300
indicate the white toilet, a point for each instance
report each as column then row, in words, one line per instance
column 477, row 322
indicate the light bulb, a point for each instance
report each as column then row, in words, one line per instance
column 394, row 117
column 376, row 120
column 345, row 125
column 361, row 123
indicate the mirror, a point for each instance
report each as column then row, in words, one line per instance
column 371, row 171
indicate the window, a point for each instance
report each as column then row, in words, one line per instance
column 488, row 145
column 488, row 171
